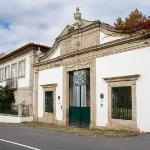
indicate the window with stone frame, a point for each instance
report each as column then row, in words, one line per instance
column 7, row 72
column 14, row 70
column 122, row 101
column 21, row 68
column 2, row 74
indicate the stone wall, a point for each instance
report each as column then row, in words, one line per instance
column 86, row 39
column 23, row 95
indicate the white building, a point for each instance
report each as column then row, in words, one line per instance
column 94, row 76
column 16, row 71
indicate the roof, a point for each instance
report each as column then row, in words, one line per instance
column 25, row 48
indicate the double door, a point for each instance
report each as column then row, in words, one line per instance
column 79, row 94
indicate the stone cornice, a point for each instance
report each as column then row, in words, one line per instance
column 98, row 47
column 79, row 30
column 122, row 78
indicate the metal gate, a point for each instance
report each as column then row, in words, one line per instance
column 79, row 94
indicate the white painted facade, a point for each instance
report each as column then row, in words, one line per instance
column 47, row 77
column 56, row 53
column 14, row 119
column 22, row 82
column 132, row 62
column 124, row 64
column 104, row 38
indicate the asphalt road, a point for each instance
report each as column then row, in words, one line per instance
column 42, row 139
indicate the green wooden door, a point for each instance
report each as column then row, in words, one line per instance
column 79, row 93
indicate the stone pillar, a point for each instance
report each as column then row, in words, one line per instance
column 93, row 93
column 30, row 109
column 20, row 110
column 35, row 95
column 65, row 104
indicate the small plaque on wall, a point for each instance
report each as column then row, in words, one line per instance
column 101, row 95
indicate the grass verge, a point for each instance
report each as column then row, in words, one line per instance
column 78, row 131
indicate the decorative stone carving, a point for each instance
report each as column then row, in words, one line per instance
column 77, row 15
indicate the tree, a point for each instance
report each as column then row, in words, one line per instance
column 134, row 22
column 119, row 23
column 6, row 99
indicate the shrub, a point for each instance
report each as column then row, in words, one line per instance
column 6, row 99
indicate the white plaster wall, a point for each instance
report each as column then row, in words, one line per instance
column 51, row 76
column 104, row 38
column 56, row 54
column 123, row 64
column 14, row 119
column 23, row 82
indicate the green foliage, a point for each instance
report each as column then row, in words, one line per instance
column 134, row 22
column 6, row 99
column 119, row 23
column 135, row 18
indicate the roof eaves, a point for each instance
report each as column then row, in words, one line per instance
column 22, row 48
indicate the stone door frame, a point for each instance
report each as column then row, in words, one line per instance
column 49, row 117
column 68, row 68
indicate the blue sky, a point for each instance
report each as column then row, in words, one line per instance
column 41, row 21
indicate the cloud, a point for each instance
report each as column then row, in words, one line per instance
column 41, row 21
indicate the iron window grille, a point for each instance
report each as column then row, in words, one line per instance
column 122, row 102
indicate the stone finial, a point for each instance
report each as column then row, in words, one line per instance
column 77, row 15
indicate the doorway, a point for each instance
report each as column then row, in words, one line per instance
column 79, row 98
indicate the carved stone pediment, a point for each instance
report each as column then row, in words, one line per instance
column 66, row 30
column 80, row 35
column 82, row 23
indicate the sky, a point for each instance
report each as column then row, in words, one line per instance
column 41, row 21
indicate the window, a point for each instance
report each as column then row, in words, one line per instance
column 7, row 72
column 121, row 102
column 49, row 99
column 14, row 70
column 21, row 69
column 79, row 86
column 0, row 75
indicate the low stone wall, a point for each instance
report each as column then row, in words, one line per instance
column 14, row 119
